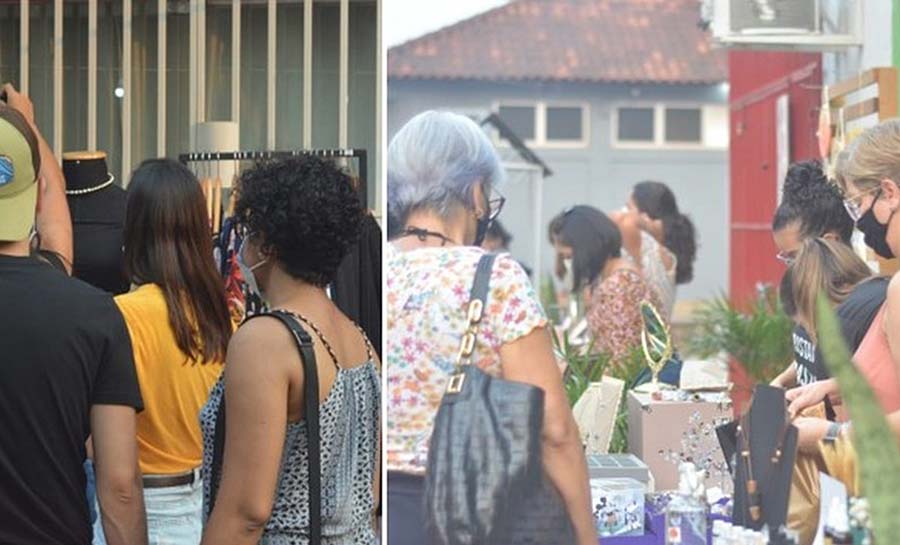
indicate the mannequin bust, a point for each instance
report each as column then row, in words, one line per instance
column 97, row 206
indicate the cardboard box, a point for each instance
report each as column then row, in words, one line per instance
column 655, row 427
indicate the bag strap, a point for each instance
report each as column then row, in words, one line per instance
column 311, row 406
column 475, row 312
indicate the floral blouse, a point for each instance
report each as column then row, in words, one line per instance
column 427, row 297
column 615, row 314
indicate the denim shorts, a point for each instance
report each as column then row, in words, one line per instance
column 174, row 515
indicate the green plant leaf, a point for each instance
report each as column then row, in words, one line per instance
column 759, row 338
column 876, row 446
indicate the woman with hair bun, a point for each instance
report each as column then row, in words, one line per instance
column 659, row 238
column 811, row 207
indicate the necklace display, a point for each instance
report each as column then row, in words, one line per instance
column 752, row 485
column 109, row 181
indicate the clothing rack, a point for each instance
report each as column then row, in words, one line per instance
column 257, row 155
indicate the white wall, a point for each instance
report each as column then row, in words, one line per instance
column 877, row 44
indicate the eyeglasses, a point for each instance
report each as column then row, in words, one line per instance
column 495, row 204
column 854, row 205
column 787, row 258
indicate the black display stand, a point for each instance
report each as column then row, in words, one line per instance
column 767, row 417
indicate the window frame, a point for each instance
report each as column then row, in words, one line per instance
column 659, row 126
column 540, row 123
column 635, row 144
column 520, row 104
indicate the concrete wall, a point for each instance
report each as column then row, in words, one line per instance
column 598, row 174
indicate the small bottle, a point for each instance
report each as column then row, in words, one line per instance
column 718, row 532
column 686, row 513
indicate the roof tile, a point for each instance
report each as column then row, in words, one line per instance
column 652, row 41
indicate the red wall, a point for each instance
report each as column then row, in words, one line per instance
column 757, row 79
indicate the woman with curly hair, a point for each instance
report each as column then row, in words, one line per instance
column 300, row 217
column 811, row 207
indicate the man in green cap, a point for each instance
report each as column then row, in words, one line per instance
column 66, row 365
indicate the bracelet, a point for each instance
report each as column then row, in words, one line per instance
column 834, row 431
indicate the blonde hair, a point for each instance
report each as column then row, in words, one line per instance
column 873, row 156
column 825, row 266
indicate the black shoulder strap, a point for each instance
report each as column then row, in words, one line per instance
column 311, row 408
column 482, row 278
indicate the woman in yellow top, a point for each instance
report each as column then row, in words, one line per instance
column 180, row 327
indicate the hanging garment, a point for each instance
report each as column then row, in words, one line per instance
column 357, row 286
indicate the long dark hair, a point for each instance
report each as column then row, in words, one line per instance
column 657, row 201
column 594, row 240
column 168, row 243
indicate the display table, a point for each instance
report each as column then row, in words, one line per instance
column 655, row 528
column 657, row 427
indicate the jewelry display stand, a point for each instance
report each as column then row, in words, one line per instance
column 772, row 452
column 97, row 206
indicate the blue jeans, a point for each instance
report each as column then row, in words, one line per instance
column 91, row 489
column 174, row 515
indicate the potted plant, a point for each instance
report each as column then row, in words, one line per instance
column 757, row 338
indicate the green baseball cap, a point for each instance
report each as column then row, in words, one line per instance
column 18, row 183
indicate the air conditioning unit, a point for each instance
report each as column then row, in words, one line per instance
column 815, row 25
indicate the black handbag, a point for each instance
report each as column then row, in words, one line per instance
column 485, row 481
column 311, row 407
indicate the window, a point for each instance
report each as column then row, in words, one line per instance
column 547, row 125
column 636, row 124
column 520, row 119
column 683, row 125
column 670, row 126
column 564, row 123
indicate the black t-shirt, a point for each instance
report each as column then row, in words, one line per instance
column 63, row 348
column 855, row 315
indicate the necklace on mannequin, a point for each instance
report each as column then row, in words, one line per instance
column 109, row 181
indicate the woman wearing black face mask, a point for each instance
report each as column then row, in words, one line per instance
column 442, row 169
column 870, row 180
column 867, row 221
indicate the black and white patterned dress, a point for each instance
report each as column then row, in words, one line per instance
column 349, row 419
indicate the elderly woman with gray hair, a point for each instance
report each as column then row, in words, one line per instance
column 443, row 174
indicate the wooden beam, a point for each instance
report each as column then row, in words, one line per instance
column 860, row 109
column 887, row 93
column 851, row 85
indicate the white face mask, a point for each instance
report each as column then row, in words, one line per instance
column 568, row 279
column 247, row 271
